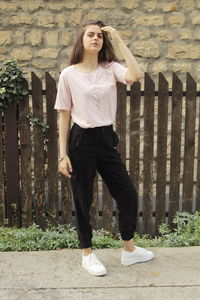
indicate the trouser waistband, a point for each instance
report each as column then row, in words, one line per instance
column 99, row 128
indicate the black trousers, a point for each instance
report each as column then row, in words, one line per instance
column 91, row 150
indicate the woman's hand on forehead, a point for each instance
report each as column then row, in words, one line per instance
column 113, row 32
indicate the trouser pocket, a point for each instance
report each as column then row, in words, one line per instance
column 115, row 139
column 75, row 138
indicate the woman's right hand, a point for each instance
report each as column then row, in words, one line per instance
column 65, row 166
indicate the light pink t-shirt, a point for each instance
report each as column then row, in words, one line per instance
column 91, row 97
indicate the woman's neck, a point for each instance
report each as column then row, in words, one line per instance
column 89, row 63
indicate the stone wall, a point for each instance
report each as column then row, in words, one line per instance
column 163, row 35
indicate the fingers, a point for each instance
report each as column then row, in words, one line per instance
column 108, row 29
column 66, row 167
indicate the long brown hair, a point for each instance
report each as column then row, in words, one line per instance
column 106, row 54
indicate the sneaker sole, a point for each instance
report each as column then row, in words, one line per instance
column 95, row 274
column 128, row 263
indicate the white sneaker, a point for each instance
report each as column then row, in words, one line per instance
column 136, row 256
column 93, row 265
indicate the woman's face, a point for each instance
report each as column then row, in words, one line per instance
column 93, row 39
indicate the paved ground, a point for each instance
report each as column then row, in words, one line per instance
column 56, row 275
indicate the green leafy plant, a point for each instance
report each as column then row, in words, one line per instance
column 57, row 236
column 11, row 84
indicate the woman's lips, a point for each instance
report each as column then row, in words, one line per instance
column 95, row 44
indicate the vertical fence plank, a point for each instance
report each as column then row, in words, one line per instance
column 107, row 209
column 25, row 159
column 52, row 156
column 121, row 130
column 66, row 200
column 189, row 143
column 134, row 150
column 12, row 166
column 39, row 174
column 94, row 212
column 161, row 150
column 121, row 119
column 135, row 133
column 198, row 168
column 2, row 183
column 175, row 151
column 148, row 153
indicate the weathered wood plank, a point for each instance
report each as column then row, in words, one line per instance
column 52, row 146
column 161, row 150
column 38, row 138
column 135, row 133
column 148, row 153
column 94, row 212
column 12, row 166
column 189, row 143
column 134, row 147
column 25, row 159
column 175, row 151
column 2, row 172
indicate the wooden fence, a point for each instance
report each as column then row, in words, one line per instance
column 159, row 142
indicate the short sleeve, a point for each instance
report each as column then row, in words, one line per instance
column 63, row 97
column 120, row 73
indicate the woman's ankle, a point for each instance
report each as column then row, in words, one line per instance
column 129, row 245
column 87, row 251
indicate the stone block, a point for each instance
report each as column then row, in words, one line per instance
column 149, row 20
column 129, row 4
column 44, row 64
column 65, row 37
column 176, row 20
column 30, row 5
column 21, row 19
column 195, row 20
column 150, row 5
column 186, row 34
column 51, row 38
column 160, row 66
column 164, row 35
column 45, row 20
column 74, row 18
column 142, row 33
column 5, row 37
column 146, row 49
column 19, row 37
column 47, row 53
column 181, row 67
column 60, row 19
column 167, row 7
column 35, row 37
column 24, row 53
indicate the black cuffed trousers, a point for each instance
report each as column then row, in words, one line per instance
column 91, row 150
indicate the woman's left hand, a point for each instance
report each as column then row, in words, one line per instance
column 113, row 33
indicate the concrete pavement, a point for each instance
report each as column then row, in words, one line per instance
column 174, row 273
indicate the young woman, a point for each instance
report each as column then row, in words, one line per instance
column 87, row 93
